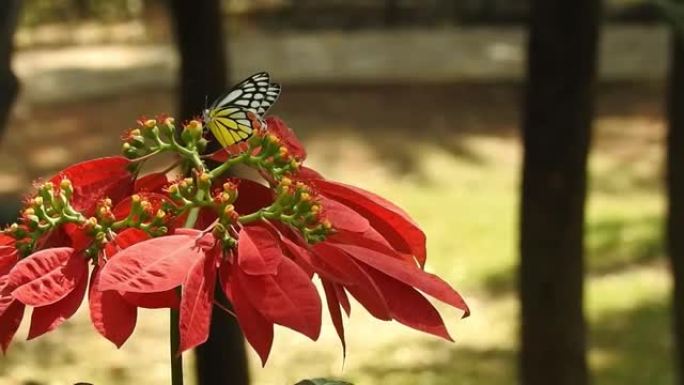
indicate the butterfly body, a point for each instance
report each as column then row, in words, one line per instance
column 234, row 116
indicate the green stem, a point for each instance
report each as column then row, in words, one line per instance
column 176, row 356
column 227, row 164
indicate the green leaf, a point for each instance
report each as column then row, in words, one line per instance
column 322, row 381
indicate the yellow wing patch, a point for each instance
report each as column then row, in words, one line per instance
column 233, row 116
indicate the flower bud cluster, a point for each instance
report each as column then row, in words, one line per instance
column 145, row 216
column 301, row 208
column 272, row 155
column 43, row 212
column 152, row 136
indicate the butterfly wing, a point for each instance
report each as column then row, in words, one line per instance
column 255, row 93
column 230, row 125
column 227, row 117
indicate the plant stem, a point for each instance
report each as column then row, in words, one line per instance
column 176, row 356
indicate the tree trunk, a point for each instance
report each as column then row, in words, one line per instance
column 203, row 68
column 556, row 135
column 9, row 85
column 675, row 191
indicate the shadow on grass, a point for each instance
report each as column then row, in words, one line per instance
column 633, row 347
column 612, row 246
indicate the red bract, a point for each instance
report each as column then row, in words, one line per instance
column 97, row 179
column 47, row 276
column 155, row 265
column 387, row 219
column 197, row 302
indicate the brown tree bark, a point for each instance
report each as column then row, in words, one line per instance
column 556, row 134
column 675, row 191
column 9, row 85
column 198, row 27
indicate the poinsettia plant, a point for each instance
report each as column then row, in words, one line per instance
column 130, row 239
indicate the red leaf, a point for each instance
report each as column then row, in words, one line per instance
column 343, row 299
column 10, row 318
column 257, row 329
column 8, row 258
column 47, row 276
column 47, row 318
column 287, row 298
column 96, row 179
column 6, row 240
column 407, row 273
column 359, row 283
column 112, row 316
column 158, row 264
column 287, row 137
column 409, row 307
column 298, row 254
column 153, row 182
column 252, row 196
column 126, row 238
column 196, row 303
column 335, row 314
column 161, row 300
column 258, row 251
column 342, row 217
column 391, row 221
column 79, row 240
column 309, row 174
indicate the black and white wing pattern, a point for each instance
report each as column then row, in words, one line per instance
column 255, row 93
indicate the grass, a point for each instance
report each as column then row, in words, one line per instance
column 462, row 188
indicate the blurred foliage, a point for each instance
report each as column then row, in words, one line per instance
column 321, row 14
column 38, row 12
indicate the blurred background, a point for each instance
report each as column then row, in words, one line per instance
column 421, row 101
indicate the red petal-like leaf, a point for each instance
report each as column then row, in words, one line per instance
column 10, row 318
column 342, row 298
column 96, row 179
column 335, row 314
column 287, row 298
column 8, row 258
column 6, row 240
column 112, row 316
column 409, row 307
column 298, row 254
column 125, row 239
column 153, row 182
column 252, row 196
column 408, row 274
column 158, row 264
column 47, row 276
column 197, row 303
column 257, row 329
column 391, row 221
column 79, row 240
column 287, row 137
column 258, row 251
column 342, row 217
column 161, row 300
column 47, row 318
column 359, row 283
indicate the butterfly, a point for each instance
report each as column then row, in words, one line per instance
column 233, row 117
